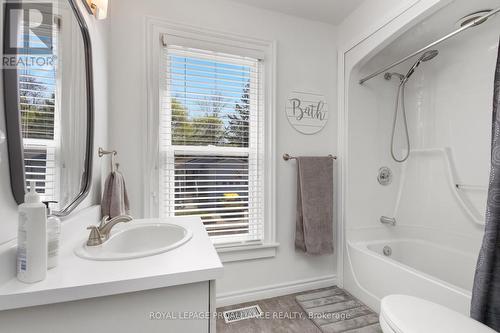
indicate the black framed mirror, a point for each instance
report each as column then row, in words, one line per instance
column 49, row 102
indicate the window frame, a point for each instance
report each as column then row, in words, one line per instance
column 205, row 39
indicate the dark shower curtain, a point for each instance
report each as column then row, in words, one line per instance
column 485, row 305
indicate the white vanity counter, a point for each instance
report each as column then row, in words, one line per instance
column 76, row 278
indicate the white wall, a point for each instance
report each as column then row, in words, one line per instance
column 306, row 61
column 8, row 208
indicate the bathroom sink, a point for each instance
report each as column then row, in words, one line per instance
column 137, row 240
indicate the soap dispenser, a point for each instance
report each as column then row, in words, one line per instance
column 32, row 238
column 53, row 236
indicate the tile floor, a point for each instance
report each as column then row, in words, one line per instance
column 281, row 315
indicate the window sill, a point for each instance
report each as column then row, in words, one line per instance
column 247, row 252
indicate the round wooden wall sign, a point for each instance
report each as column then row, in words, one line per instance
column 307, row 112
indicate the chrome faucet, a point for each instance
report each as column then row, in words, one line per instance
column 100, row 234
column 388, row 220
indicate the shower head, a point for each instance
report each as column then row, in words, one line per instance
column 429, row 55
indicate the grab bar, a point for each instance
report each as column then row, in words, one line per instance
column 471, row 187
column 388, row 220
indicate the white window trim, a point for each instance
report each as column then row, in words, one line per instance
column 155, row 30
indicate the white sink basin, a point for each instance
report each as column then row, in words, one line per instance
column 137, row 239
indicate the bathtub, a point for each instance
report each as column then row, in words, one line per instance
column 417, row 267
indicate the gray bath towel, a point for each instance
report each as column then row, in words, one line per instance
column 114, row 198
column 314, row 227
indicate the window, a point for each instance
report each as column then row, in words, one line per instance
column 38, row 91
column 210, row 142
column 211, row 135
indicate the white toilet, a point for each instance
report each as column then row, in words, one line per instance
column 407, row 314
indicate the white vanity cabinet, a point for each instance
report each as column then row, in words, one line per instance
column 168, row 292
column 175, row 309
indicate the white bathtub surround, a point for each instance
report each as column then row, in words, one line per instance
column 76, row 278
column 439, row 224
column 423, row 262
column 449, row 265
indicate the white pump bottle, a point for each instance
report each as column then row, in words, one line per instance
column 32, row 238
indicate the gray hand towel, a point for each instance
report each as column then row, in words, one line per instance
column 114, row 198
column 314, row 227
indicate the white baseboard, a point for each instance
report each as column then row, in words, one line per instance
column 250, row 295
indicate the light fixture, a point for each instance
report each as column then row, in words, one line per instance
column 99, row 8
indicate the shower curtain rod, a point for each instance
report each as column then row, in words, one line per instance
column 471, row 24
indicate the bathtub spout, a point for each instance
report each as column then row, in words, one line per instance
column 388, row 220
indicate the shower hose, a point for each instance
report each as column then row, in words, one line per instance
column 400, row 97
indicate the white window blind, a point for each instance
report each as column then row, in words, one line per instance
column 39, row 120
column 211, row 142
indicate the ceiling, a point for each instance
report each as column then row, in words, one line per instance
column 328, row 11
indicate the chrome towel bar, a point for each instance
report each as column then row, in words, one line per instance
column 288, row 157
